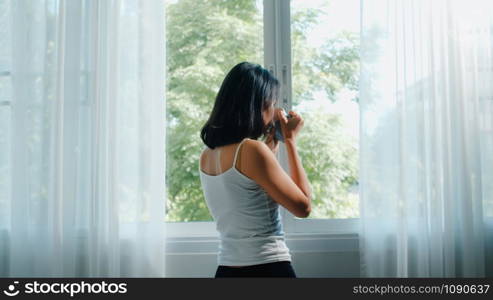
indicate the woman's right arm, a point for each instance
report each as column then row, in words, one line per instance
column 293, row 192
column 290, row 131
column 296, row 168
column 275, row 181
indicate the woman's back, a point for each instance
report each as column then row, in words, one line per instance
column 247, row 219
column 243, row 182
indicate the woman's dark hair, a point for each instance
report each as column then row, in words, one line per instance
column 245, row 93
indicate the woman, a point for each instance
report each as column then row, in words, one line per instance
column 242, row 180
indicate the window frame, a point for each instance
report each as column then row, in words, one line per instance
column 277, row 59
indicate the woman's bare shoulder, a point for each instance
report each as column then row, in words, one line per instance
column 204, row 155
column 258, row 149
column 254, row 144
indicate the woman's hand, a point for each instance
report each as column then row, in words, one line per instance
column 290, row 127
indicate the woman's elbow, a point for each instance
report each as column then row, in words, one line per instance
column 306, row 210
column 304, row 214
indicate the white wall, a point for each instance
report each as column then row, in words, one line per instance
column 316, row 255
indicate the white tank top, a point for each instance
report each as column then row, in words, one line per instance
column 247, row 219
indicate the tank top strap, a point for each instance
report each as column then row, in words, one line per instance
column 236, row 152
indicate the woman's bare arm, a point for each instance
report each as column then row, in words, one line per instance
column 262, row 166
column 296, row 168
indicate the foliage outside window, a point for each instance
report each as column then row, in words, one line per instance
column 202, row 47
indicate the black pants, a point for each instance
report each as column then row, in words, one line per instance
column 275, row 269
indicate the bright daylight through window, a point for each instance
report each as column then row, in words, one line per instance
column 202, row 47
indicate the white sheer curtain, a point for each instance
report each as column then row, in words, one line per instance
column 82, row 127
column 426, row 164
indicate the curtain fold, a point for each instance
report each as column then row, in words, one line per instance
column 426, row 138
column 82, row 143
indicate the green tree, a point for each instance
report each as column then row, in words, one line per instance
column 330, row 159
column 201, row 48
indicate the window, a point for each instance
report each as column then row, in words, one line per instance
column 315, row 56
column 201, row 48
column 325, row 61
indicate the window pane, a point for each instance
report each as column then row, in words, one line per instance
column 201, row 48
column 325, row 66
